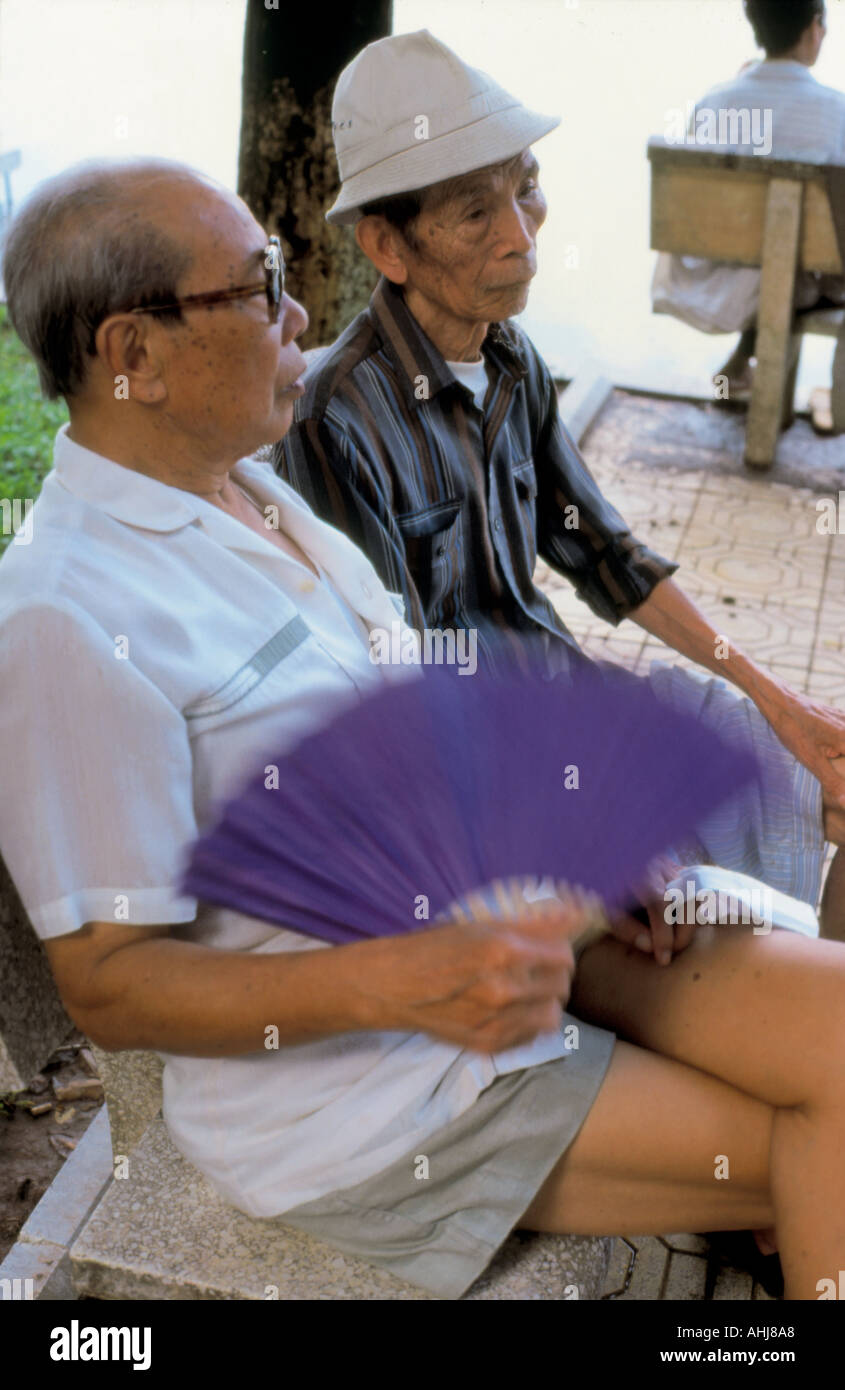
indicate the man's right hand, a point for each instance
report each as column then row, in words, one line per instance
column 483, row 985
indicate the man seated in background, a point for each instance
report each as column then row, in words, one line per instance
column 430, row 433
column 807, row 121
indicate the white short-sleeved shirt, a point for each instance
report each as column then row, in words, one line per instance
column 807, row 122
column 152, row 650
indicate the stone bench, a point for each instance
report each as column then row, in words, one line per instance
column 162, row 1232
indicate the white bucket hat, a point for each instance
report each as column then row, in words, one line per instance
column 407, row 112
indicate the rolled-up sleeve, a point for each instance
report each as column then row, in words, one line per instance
column 97, row 805
column 594, row 549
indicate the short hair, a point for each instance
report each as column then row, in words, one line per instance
column 401, row 211
column 777, row 25
column 83, row 246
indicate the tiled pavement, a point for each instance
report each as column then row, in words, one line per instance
column 755, row 562
column 751, row 558
column 674, row 1267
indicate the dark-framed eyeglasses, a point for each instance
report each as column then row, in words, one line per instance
column 273, row 285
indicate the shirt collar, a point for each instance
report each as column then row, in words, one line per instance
column 414, row 354
column 124, row 493
column 786, row 67
column 140, row 500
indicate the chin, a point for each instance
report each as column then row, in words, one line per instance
column 520, row 301
column 275, row 429
column 280, row 422
column 511, row 303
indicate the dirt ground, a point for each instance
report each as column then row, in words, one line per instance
column 34, row 1147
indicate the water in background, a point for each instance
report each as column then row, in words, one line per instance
column 81, row 78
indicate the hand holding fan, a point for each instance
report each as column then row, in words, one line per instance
column 443, row 784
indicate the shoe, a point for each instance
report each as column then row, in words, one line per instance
column 739, row 1249
column 821, row 410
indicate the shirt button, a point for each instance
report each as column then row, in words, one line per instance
column 307, row 586
column 497, row 524
column 441, row 550
column 366, row 591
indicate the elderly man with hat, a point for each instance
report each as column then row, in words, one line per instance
column 430, row 433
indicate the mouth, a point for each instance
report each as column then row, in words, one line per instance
column 294, row 388
column 515, row 286
column 525, row 279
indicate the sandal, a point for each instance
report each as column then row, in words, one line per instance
column 821, row 410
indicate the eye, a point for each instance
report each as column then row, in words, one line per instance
column 476, row 215
column 529, row 188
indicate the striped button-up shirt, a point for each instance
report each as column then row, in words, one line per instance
column 452, row 504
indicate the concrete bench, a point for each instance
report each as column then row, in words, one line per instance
column 754, row 210
column 161, row 1231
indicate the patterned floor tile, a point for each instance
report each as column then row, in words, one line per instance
column 649, row 1272
column 686, row 1277
column 733, row 1284
column 619, row 1270
column 690, row 1245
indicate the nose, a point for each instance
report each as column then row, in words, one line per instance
column 516, row 229
column 294, row 319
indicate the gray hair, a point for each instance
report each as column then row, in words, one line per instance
column 83, row 246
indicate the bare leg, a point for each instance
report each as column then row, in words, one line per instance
column 644, row 1158
column 738, row 366
column 763, row 1018
column 832, row 913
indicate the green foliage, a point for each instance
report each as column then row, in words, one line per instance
column 28, row 423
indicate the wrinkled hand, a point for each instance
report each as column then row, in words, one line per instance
column 486, row 985
column 660, row 938
column 813, row 732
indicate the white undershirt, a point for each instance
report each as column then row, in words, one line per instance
column 474, row 376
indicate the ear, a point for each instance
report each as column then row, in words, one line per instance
column 125, row 345
column 383, row 245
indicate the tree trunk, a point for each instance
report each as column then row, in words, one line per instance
column 287, row 170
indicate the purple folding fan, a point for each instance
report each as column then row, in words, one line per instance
column 445, row 783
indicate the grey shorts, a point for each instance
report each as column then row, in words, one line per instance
column 441, row 1231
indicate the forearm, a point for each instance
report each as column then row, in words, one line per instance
column 174, row 996
column 812, row 732
column 672, row 617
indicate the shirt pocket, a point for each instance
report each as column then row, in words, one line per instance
column 525, row 486
column 264, row 702
column 249, row 675
column 431, row 548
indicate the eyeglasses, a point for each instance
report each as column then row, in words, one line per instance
column 273, row 285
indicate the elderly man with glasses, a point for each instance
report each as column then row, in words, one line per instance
column 430, row 433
